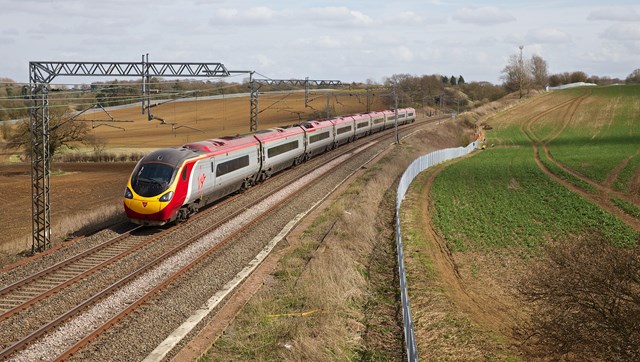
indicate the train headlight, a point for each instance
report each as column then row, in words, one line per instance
column 128, row 194
column 167, row 197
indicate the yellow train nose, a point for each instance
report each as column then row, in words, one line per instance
column 145, row 206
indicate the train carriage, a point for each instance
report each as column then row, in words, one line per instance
column 377, row 121
column 411, row 115
column 402, row 116
column 319, row 136
column 282, row 148
column 344, row 130
column 229, row 164
column 362, row 124
column 389, row 119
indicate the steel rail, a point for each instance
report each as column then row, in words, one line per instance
column 34, row 278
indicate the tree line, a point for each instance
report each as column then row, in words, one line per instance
column 523, row 75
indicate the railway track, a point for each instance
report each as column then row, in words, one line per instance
column 28, row 291
column 68, row 271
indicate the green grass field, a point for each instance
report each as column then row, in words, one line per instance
column 500, row 198
column 602, row 132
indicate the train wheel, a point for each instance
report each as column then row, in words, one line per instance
column 182, row 215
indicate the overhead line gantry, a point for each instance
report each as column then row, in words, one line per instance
column 255, row 84
column 41, row 73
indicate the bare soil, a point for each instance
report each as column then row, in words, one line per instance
column 78, row 190
column 197, row 120
column 463, row 304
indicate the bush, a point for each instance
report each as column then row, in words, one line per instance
column 99, row 157
column 585, row 303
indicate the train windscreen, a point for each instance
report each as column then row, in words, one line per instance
column 151, row 179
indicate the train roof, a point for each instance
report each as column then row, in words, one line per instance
column 171, row 156
column 277, row 133
column 224, row 144
column 311, row 125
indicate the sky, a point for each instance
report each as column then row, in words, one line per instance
column 351, row 41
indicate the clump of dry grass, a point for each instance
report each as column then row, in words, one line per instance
column 88, row 222
column 480, row 114
column 71, row 226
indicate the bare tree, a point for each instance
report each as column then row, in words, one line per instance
column 539, row 72
column 516, row 75
column 63, row 133
column 585, row 303
column 634, row 77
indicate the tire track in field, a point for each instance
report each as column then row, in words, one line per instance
column 604, row 188
column 601, row 199
column 538, row 116
column 613, row 175
column 568, row 116
column 481, row 305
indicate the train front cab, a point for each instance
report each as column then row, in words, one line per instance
column 158, row 186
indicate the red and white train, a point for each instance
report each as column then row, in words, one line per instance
column 173, row 183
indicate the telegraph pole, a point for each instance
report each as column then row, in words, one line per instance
column 520, row 72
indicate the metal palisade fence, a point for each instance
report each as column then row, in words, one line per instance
column 420, row 164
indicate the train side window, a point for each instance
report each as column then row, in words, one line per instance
column 344, row 129
column 286, row 147
column 232, row 165
column 212, row 167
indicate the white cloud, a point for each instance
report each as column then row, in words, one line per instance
column 622, row 32
column 341, row 15
column 264, row 61
column 615, row 14
column 7, row 40
column 548, row 36
column 410, row 16
column 253, row 16
column 403, row 54
column 487, row 15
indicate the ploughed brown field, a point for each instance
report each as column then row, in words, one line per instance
column 81, row 190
